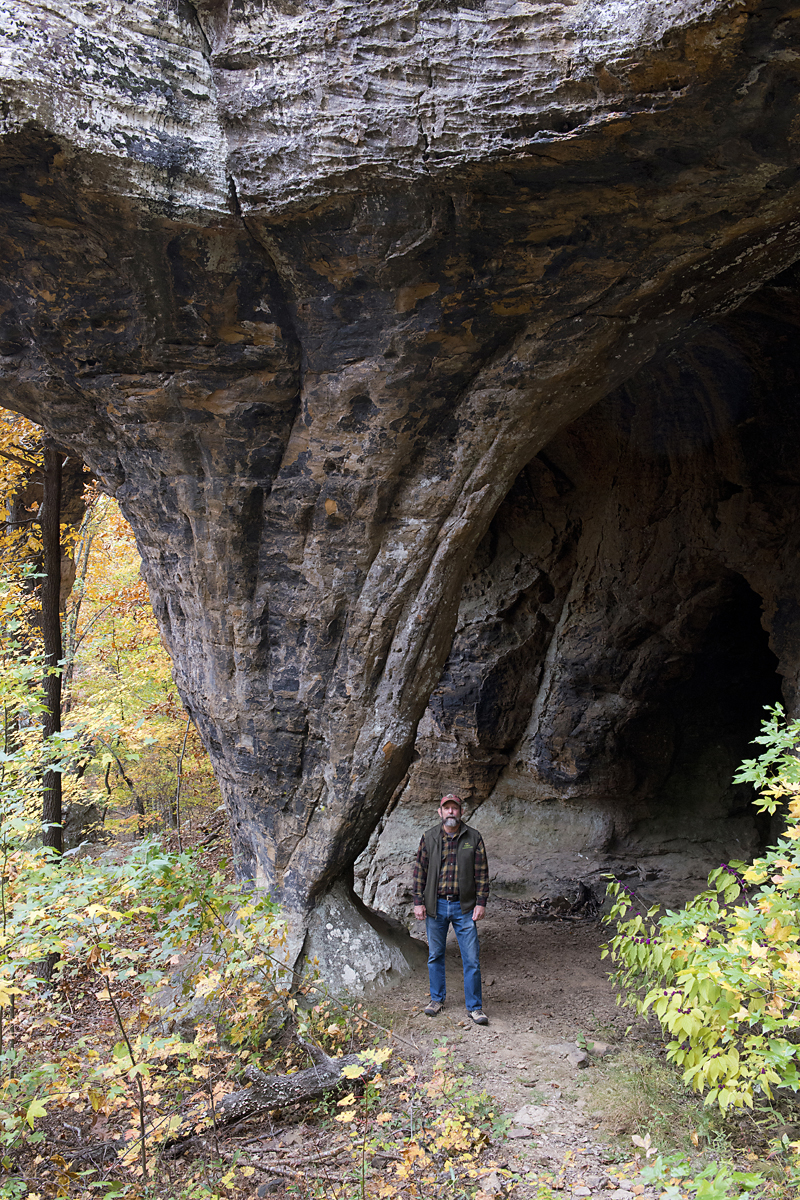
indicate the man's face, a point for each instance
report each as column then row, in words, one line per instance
column 451, row 815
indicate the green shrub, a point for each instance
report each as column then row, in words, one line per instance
column 722, row 975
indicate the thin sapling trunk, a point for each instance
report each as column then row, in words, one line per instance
column 52, row 832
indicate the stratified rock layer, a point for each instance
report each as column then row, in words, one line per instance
column 627, row 617
column 309, row 285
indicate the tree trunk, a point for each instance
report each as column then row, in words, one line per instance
column 52, row 833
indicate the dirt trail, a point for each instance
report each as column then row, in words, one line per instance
column 545, row 987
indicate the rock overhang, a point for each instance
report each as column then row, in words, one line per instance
column 319, row 96
column 293, row 100
column 312, row 367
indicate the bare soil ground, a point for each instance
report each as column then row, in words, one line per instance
column 545, row 987
column 546, row 990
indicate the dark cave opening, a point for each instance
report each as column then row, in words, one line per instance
column 699, row 727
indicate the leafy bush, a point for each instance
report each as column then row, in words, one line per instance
column 722, row 975
column 676, row 1174
column 118, row 932
column 124, row 931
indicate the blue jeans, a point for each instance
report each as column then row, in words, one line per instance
column 449, row 912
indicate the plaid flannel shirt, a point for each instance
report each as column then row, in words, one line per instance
column 448, row 875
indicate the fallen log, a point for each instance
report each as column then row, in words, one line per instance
column 276, row 1091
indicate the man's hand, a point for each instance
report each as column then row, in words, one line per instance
column 419, row 912
column 478, row 912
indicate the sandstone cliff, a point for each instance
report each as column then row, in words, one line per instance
column 309, row 286
column 627, row 617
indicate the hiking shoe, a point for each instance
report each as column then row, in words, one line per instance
column 433, row 1008
column 478, row 1017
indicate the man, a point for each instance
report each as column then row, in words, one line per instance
column 451, row 887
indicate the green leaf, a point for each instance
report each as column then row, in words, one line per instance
column 35, row 1109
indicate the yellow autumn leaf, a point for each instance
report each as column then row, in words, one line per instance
column 206, row 984
column 199, row 1071
column 413, row 1151
column 779, row 932
column 345, row 1101
column 384, row 1118
column 205, row 1033
column 354, row 1071
column 757, row 951
column 344, row 1117
column 436, row 1084
column 791, row 960
column 6, row 994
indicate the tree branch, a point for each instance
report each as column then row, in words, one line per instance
column 22, row 462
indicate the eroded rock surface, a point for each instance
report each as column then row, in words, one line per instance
column 627, row 617
column 309, row 285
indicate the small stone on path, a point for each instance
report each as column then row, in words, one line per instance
column 578, row 1058
column 562, row 1049
column 530, row 1114
column 599, row 1049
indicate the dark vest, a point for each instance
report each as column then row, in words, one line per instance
column 465, row 855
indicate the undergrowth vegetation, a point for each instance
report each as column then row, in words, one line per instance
column 119, row 934
column 177, row 982
column 722, row 974
column 682, row 1146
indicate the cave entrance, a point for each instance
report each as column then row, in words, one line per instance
column 697, row 731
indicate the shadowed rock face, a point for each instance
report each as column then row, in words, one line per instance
column 627, row 617
column 308, row 286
